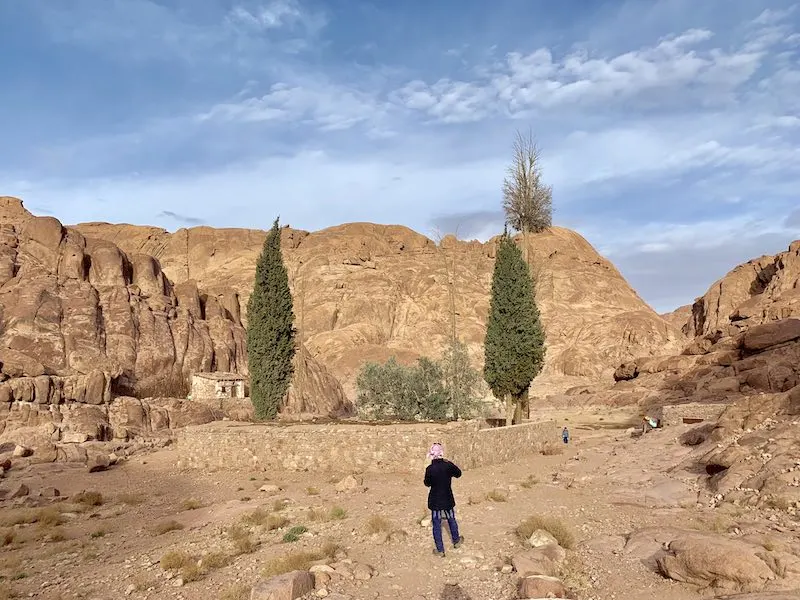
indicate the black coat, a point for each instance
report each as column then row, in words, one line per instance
column 438, row 476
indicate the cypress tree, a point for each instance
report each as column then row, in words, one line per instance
column 270, row 331
column 514, row 346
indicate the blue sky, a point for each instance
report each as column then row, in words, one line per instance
column 669, row 129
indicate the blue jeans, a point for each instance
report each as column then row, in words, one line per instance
column 436, row 521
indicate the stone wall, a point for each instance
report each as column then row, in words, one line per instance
column 211, row 385
column 674, row 414
column 343, row 447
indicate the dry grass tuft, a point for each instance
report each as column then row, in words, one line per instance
column 338, row 513
column 191, row 572
column 174, row 560
column 242, row 540
column 130, row 499
column 298, row 561
column 312, row 491
column 378, row 524
column 191, row 504
column 167, row 526
column 237, row 592
column 279, row 505
column 88, row 498
column 497, row 496
column 215, row 560
column 259, row 517
column 317, row 515
column 7, row 537
column 529, row 482
column 552, row 525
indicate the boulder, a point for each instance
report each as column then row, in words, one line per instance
column 97, row 461
column 541, row 586
column 626, row 372
column 540, row 537
column 544, row 560
column 22, row 451
column 715, row 561
column 19, row 490
column 349, row 484
column 764, row 336
column 289, row 586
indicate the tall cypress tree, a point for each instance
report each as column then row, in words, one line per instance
column 270, row 333
column 514, row 347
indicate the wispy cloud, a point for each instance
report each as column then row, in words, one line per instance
column 669, row 130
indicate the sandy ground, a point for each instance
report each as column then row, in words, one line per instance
column 601, row 487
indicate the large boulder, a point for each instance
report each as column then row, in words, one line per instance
column 289, row 586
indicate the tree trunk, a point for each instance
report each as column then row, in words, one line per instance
column 519, row 410
column 509, row 410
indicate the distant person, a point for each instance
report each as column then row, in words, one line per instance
column 648, row 423
column 441, row 503
column 565, row 435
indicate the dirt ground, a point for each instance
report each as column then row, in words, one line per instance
column 604, row 486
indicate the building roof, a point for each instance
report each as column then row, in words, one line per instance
column 220, row 376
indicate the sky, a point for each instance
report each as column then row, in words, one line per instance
column 669, row 129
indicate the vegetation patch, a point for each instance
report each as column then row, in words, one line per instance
column 552, row 525
column 298, row 561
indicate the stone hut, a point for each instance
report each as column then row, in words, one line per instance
column 218, row 385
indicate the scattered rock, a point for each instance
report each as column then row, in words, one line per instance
column 22, row 452
column 18, row 491
column 289, row 586
column 540, row 586
column 540, row 537
column 545, row 560
column 362, row 572
column 349, row 484
column 270, row 489
column 49, row 492
column 96, row 462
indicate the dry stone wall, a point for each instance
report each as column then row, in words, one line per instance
column 341, row 447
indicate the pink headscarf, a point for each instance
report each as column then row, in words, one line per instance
column 436, row 451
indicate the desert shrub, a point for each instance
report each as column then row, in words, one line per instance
column 174, row 560
column 7, row 537
column 378, row 524
column 167, row 526
column 215, row 560
column 242, row 540
column 338, row 513
column 275, row 521
column 317, row 515
column 529, row 482
column 49, row 517
column 312, row 491
column 239, row 591
column 552, row 525
column 191, row 504
column 88, row 498
column 497, row 496
column 279, row 505
column 98, row 533
column 298, row 561
column 294, row 533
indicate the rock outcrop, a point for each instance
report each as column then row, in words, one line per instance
column 81, row 321
column 761, row 290
column 367, row 292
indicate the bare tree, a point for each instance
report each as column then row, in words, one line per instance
column 527, row 201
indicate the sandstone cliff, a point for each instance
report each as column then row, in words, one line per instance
column 78, row 317
column 366, row 292
column 761, row 290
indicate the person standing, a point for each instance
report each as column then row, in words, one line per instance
column 441, row 502
column 565, row 435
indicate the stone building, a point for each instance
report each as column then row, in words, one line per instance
column 218, row 385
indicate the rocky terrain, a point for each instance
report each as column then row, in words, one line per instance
column 615, row 515
column 366, row 292
column 84, row 326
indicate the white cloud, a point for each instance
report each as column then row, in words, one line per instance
column 276, row 15
column 676, row 69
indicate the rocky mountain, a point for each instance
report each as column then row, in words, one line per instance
column 367, row 292
column 761, row 290
column 81, row 321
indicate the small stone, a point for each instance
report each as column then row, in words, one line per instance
column 506, row 569
column 130, row 589
column 178, row 582
column 269, row 489
column 22, row 451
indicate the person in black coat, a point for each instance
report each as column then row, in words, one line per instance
column 441, row 502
